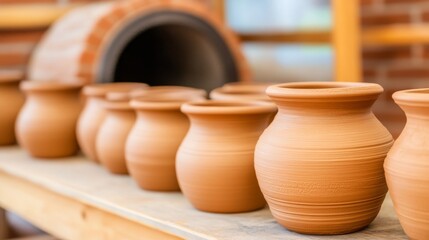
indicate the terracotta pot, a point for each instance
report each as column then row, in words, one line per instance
column 407, row 165
column 153, row 142
column 93, row 113
column 46, row 124
column 320, row 162
column 238, row 93
column 169, row 91
column 11, row 101
column 215, row 160
column 248, row 86
column 113, row 133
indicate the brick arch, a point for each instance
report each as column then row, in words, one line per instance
column 76, row 46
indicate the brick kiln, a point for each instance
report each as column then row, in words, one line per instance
column 157, row 42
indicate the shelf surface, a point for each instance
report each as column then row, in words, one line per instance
column 74, row 198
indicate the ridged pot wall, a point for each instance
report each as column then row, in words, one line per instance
column 320, row 162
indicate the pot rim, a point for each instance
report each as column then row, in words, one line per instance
column 32, row 85
column 167, row 89
column 222, row 107
column 101, row 89
column 324, row 90
column 245, row 94
column 415, row 95
column 162, row 102
column 117, row 105
column 10, row 76
column 253, row 86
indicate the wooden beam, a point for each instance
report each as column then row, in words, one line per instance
column 398, row 34
column 346, row 39
column 302, row 37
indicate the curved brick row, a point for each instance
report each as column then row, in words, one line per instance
column 74, row 47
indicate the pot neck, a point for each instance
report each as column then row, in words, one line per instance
column 415, row 104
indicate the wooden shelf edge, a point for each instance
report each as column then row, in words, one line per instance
column 61, row 216
column 301, row 37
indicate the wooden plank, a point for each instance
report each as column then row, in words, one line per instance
column 73, row 198
column 346, row 40
column 400, row 34
column 301, row 37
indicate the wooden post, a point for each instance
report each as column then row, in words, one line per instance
column 3, row 224
column 346, row 40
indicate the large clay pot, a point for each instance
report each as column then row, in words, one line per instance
column 113, row 133
column 93, row 113
column 320, row 162
column 46, row 124
column 215, row 160
column 11, row 101
column 153, row 142
column 407, row 164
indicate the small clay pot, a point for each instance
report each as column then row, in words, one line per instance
column 11, row 101
column 169, row 91
column 215, row 160
column 46, row 124
column 153, row 142
column 320, row 162
column 248, row 86
column 236, row 93
column 93, row 113
column 113, row 133
column 407, row 166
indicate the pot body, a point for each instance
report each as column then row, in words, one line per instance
column 407, row 165
column 94, row 113
column 46, row 123
column 320, row 162
column 11, row 101
column 215, row 161
column 152, row 146
column 111, row 139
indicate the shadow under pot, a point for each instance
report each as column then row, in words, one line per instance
column 112, row 135
column 153, row 142
column 11, row 101
column 215, row 160
column 46, row 124
column 320, row 162
column 93, row 113
column 407, row 166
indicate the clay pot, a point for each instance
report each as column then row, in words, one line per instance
column 215, row 160
column 248, row 86
column 93, row 113
column 169, row 91
column 238, row 93
column 153, row 142
column 11, row 101
column 113, row 133
column 46, row 124
column 320, row 162
column 407, row 164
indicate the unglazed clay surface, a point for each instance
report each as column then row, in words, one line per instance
column 407, row 164
column 112, row 136
column 11, row 101
column 93, row 113
column 46, row 124
column 320, row 163
column 153, row 142
column 169, row 91
column 215, row 160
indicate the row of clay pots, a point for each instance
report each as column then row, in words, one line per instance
column 319, row 164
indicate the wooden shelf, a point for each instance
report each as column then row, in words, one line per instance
column 301, row 37
column 73, row 198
